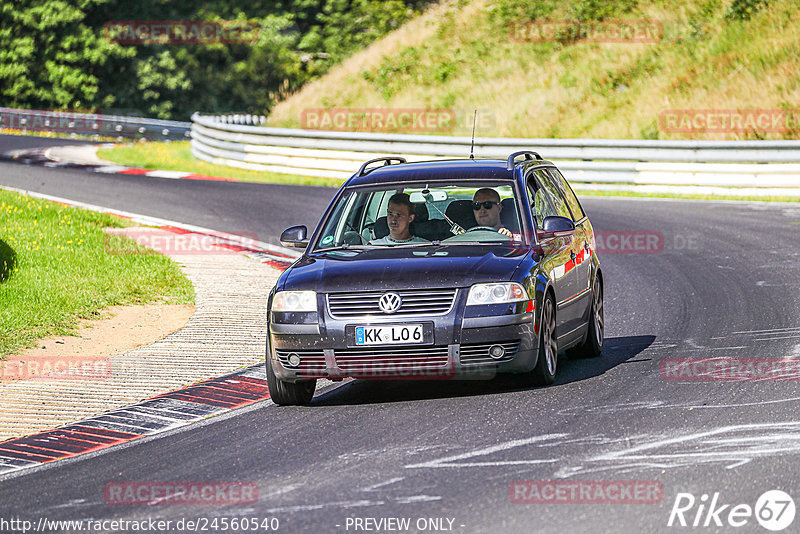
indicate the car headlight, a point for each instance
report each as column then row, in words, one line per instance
column 498, row 293
column 295, row 301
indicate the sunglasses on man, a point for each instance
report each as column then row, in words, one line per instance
column 487, row 204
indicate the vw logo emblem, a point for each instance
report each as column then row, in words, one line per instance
column 390, row 302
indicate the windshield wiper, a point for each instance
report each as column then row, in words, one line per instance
column 487, row 243
column 343, row 246
column 428, row 244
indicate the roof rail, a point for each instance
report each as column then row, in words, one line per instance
column 387, row 161
column 529, row 155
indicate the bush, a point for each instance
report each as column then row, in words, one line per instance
column 744, row 9
column 8, row 260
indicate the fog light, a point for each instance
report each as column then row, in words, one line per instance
column 293, row 359
column 496, row 351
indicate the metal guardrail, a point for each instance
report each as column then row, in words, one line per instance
column 93, row 126
column 757, row 165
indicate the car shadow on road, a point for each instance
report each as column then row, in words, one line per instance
column 617, row 351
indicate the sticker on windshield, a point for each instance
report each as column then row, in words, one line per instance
column 326, row 240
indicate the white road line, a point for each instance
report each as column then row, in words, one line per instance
column 447, row 460
column 309, row 507
column 382, row 484
column 110, row 169
column 418, row 498
column 772, row 330
column 168, row 174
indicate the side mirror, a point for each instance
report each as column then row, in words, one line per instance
column 556, row 226
column 295, row 237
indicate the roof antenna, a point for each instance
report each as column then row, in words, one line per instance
column 472, row 147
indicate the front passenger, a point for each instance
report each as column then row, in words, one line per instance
column 399, row 216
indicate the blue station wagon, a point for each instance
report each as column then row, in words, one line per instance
column 451, row 269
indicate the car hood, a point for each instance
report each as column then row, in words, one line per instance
column 407, row 267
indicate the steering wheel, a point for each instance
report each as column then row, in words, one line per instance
column 485, row 228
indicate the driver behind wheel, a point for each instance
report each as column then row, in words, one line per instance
column 399, row 215
column 487, row 208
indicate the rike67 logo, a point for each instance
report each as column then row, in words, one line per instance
column 774, row 510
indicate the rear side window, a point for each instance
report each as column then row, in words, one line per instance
column 569, row 195
column 546, row 181
column 541, row 202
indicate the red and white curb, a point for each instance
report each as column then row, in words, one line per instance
column 165, row 411
column 153, row 416
column 173, row 175
column 43, row 157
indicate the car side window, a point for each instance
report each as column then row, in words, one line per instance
column 540, row 201
column 553, row 194
column 569, row 195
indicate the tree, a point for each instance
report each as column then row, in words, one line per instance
column 58, row 53
column 49, row 58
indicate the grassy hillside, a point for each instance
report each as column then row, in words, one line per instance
column 460, row 55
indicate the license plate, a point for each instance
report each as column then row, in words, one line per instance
column 389, row 334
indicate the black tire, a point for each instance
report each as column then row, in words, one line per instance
column 544, row 373
column 289, row 393
column 592, row 346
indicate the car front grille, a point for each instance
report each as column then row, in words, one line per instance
column 399, row 361
column 312, row 362
column 478, row 353
column 391, row 361
column 415, row 302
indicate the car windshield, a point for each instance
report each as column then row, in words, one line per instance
column 419, row 214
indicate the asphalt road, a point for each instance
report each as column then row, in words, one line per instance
column 722, row 283
column 11, row 143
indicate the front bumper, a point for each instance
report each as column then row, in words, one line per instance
column 456, row 347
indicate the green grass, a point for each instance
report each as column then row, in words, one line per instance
column 177, row 156
column 54, row 270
